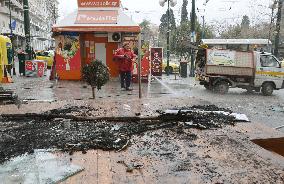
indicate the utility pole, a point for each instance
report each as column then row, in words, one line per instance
column 168, row 40
column 278, row 22
column 11, row 38
column 192, row 20
column 27, row 28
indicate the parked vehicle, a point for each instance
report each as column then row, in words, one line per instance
column 218, row 70
column 48, row 56
column 173, row 67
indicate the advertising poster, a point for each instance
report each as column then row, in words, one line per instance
column 156, row 54
column 68, row 53
column 67, row 57
column 40, row 68
column 30, row 68
column 221, row 57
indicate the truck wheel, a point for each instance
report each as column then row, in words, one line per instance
column 208, row 86
column 221, row 87
column 267, row 89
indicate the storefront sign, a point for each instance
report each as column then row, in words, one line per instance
column 156, row 61
column 98, row 3
column 96, row 17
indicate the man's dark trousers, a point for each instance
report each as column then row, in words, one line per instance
column 125, row 79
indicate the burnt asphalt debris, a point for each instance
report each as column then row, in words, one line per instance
column 8, row 97
column 24, row 135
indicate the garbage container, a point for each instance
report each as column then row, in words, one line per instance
column 183, row 69
column 22, row 58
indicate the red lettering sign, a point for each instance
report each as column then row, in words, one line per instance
column 98, row 3
column 156, row 61
column 96, row 17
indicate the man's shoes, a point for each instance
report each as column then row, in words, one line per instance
column 129, row 89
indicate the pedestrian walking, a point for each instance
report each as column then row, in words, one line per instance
column 125, row 56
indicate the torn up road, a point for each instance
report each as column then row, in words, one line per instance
column 194, row 146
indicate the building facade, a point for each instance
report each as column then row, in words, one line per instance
column 43, row 14
column 281, row 39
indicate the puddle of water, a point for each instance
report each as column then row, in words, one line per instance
column 41, row 167
column 274, row 144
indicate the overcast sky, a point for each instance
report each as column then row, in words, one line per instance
column 226, row 11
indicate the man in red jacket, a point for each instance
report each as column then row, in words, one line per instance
column 125, row 58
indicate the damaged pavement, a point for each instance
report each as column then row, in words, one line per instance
column 123, row 139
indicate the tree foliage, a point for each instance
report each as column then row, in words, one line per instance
column 96, row 74
column 180, row 35
column 245, row 22
column 147, row 33
column 164, row 27
column 245, row 30
column 184, row 13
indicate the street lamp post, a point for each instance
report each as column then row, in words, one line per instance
column 27, row 28
column 172, row 3
column 11, row 38
column 192, row 38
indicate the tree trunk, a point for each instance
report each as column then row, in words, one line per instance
column 93, row 92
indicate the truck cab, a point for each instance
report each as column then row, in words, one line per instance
column 269, row 74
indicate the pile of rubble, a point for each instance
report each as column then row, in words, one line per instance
column 58, row 129
column 8, row 97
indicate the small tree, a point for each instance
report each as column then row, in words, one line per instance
column 96, row 75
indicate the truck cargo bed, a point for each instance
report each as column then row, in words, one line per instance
column 227, row 62
column 229, row 70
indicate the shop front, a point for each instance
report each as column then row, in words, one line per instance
column 92, row 32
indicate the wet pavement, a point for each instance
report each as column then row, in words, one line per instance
column 167, row 155
column 257, row 107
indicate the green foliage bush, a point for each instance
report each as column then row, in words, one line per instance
column 96, row 74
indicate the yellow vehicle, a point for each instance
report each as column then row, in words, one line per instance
column 5, row 58
column 46, row 56
column 173, row 67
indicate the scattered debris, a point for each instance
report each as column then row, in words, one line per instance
column 278, row 108
column 279, row 127
column 60, row 129
column 130, row 167
column 8, row 97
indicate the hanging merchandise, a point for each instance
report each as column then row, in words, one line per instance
column 5, row 59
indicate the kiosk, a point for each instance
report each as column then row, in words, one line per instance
column 94, row 31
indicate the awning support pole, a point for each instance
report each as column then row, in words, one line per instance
column 139, row 65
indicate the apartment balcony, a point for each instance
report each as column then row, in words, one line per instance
column 15, row 4
column 4, row 10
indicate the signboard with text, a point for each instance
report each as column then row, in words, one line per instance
column 96, row 17
column 156, row 54
column 98, row 3
column 221, row 57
